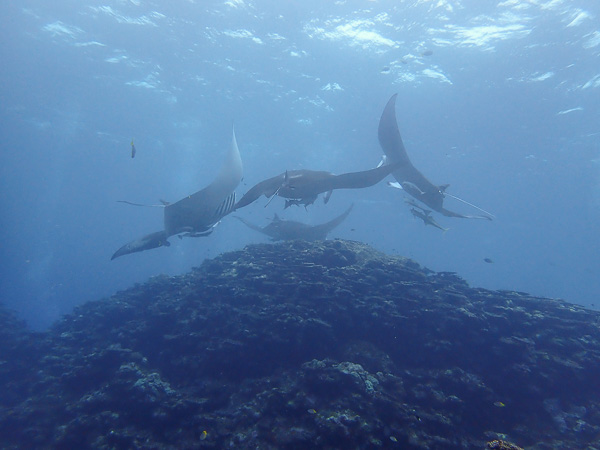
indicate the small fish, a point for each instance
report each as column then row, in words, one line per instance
column 393, row 439
column 427, row 53
column 385, row 69
column 312, row 411
column 499, row 404
column 488, row 260
column 203, row 435
column 132, row 149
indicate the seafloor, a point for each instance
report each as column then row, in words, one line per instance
column 305, row 345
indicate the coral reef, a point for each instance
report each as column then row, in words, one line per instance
column 325, row 344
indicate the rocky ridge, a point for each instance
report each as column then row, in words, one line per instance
column 325, row 344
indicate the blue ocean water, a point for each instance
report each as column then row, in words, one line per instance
column 498, row 99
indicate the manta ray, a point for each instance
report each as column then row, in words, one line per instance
column 407, row 175
column 197, row 214
column 286, row 230
column 301, row 187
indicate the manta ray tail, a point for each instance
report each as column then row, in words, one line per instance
column 141, row 204
column 490, row 215
column 273, row 196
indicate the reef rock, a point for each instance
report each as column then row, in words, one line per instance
column 305, row 345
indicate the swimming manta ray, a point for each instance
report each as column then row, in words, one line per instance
column 409, row 178
column 286, row 230
column 301, row 187
column 197, row 214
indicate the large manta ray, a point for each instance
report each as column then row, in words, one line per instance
column 409, row 178
column 198, row 213
column 302, row 187
column 286, row 230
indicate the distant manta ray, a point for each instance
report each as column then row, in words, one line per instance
column 301, row 187
column 197, row 214
column 286, row 230
column 409, row 178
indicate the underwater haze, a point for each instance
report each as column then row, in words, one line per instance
column 499, row 99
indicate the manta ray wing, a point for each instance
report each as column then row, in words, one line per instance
column 321, row 231
column 393, row 147
column 363, row 179
column 152, row 240
column 390, row 139
column 268, row 187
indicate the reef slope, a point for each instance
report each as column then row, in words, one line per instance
column 295, row 345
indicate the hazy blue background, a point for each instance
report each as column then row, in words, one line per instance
column 505, row 109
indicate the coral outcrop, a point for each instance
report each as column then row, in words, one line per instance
column 305, row 345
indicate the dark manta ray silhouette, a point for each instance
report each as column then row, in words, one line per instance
column 286, row 230
column 409, row 178
column 301, row 187
column 197, row 214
